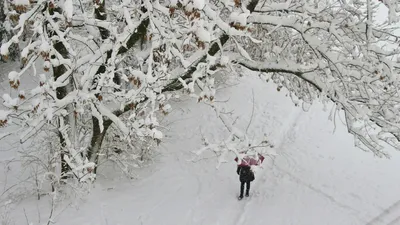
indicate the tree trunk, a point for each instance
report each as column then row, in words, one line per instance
column 97, row 141
column 61, row 92
column 98, row 136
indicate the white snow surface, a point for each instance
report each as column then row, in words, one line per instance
column 317, row 177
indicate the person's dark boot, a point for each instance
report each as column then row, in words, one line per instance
column 240, row 197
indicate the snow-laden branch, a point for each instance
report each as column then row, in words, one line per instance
column 119, row 123
column 285, row 66
column 340, row 56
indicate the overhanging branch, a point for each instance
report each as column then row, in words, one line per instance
column 175, row 84
column 305, row 73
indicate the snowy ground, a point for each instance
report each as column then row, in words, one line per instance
column 317, row 178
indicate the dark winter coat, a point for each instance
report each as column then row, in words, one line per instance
column 245, row 173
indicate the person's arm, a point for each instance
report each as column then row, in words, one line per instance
column 238, row 170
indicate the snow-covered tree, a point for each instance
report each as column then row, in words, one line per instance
column 5, row 31
column 117, row 63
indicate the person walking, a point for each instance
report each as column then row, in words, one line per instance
column 246, row 174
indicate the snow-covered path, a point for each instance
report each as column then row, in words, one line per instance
column 317, row 178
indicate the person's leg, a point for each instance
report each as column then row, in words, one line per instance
column 247, row 188
column 241, row 189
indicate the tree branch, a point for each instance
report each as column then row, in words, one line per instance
column 214, row 49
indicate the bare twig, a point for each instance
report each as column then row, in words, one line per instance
column 38, row 211
column 26, row 217
column 252, row 112
column 50, row 220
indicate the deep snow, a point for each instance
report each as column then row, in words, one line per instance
column 317, row 178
